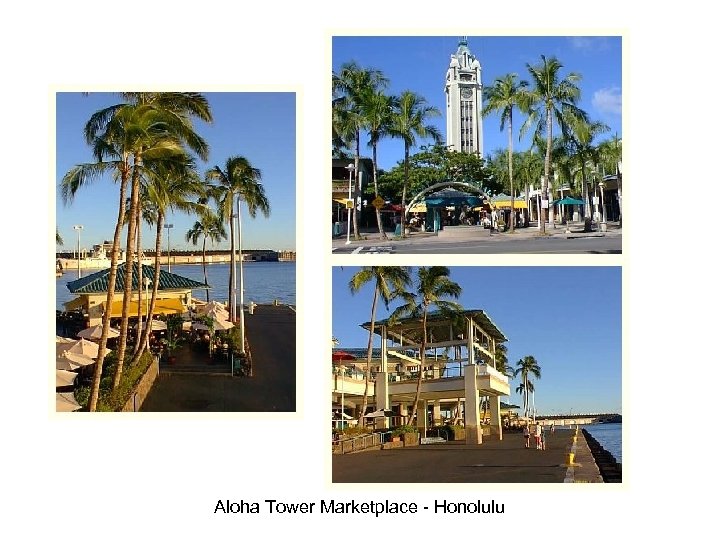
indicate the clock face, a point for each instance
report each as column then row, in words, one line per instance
column 466, row 93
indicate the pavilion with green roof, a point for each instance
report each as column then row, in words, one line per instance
column 173, row 297
column 459, row 372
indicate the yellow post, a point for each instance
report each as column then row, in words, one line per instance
column 571, row 459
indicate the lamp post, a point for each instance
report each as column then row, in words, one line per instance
column 351, row 168
column 241, row 318
column 168, row 226
column 78, row 228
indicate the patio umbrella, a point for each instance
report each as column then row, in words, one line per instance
column 64, row 378
column 65, row 402
column 380, row 413
column 80, row 346
column 568, row 200
column 341, row 356
column 95, row 332
column 154, row 325
column 71, row 361
column 205, row 309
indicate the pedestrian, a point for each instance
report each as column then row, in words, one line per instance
column 526, row 433
column 538, row 436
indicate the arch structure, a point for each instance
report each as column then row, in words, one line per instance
column 442, row 185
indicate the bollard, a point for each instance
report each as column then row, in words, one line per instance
column 571, row 459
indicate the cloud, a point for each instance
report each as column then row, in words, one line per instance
column 585, row 43
column 608, row 100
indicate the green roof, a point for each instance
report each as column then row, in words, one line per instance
column 478, row 315
column 98, row 282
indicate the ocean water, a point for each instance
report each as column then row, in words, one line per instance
column 264, row 281
column 609, row 436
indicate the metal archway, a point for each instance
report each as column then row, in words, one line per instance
column 438, row 187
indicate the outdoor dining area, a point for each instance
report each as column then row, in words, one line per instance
column 199, row 336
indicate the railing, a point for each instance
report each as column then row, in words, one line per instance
column 361, row 442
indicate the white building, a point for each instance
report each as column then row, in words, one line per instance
column 463, row 93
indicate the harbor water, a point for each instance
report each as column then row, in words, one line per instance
column 264, row 282
column 609, row 436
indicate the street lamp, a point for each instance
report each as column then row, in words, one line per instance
column 168, row 226
column 351, row 168
column 241, row 318
column 78, row 228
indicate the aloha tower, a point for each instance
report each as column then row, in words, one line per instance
column 463, row 93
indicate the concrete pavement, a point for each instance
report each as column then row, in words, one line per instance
column 373, row 238
column 506, row 461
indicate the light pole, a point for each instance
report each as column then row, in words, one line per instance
column 351, row 168
column 168, row 226
column 241, row 318
column 78, row 228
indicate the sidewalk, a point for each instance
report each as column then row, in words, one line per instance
column 506, row 461
column 372, row 236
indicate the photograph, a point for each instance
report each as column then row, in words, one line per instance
column 175, row 252
column 476, row 144
column 477, row 374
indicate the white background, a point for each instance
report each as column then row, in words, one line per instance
column 139, row 476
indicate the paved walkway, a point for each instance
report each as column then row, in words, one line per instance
column 506, row 461
column 271, row 334
column 372, row 237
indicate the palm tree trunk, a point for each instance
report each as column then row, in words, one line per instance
column 207, row 291
column 369, row 354
column 356, row 187
column 138, row 332
column 112, row 277
column 404, row 192
column 415, row 412
column 156, row 281
column 546, row 177
column 510, row 169
column 134, row 203
column 377, row 193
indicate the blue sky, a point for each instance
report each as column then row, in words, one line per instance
column 258, row 126
column 568, row 318
column 419, row 64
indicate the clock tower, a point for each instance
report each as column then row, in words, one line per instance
column 463, row 97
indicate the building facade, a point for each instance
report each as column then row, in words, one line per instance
column 463, row 97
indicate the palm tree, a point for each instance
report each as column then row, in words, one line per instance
column 410, row 123
column 506, row 94
column 116, row 133
column 527, row 367
column 377, row 109
column 155, row 127
column 389, row 281
column 350, row 86
column 58, row 238
column 582, row 140
column 433, row 286
column 551, row 97
column 611, row 155
column 170, row 186
column 238, row 179
column 209, row 226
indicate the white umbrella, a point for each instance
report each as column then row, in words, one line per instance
column 64, row 378
column 65, row 402
column 218, row 324
column 71, row 361
column 95, row 332
column 154, row 325
column 380, row 413
column 81, row 346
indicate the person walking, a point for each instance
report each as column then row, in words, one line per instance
column 538, row 436
column 526, row 433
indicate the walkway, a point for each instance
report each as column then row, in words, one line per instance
column 506, row 461
column 271, row 334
